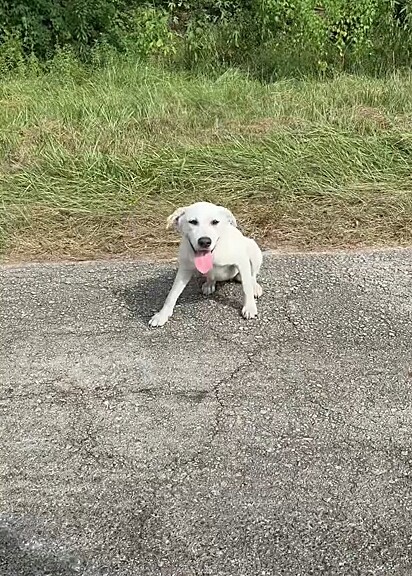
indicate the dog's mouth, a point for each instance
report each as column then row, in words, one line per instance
column 203, row 261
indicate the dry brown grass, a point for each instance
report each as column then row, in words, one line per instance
column 50, row 235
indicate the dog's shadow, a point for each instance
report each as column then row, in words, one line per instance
column 147, row 296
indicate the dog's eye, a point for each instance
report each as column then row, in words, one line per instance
column 194, row 222
column 215, row 222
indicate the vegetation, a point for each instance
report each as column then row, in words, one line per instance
column 270, row 38
column 296, row 115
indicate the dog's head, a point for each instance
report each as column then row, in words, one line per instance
column 202, row 224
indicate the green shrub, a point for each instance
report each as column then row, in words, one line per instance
column 269, row 37
column 11, row 53
column 43, row 25
column 146, row 31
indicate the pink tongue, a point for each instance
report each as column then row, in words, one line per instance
column 204, row 262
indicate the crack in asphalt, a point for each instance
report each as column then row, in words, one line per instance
column 176, row 463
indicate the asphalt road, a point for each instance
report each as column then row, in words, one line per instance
column 215, row 445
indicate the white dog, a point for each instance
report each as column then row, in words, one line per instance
column 215, row 247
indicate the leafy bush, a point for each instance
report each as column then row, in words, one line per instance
column 146, row 31
column 277, row 37
column 43, row 25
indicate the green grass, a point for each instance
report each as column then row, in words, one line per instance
column 92, row 162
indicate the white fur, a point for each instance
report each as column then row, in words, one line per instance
column 235, row 257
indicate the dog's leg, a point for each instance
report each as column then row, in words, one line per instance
column 255, row 264
column 183, row 277
column 257, row 288
column 248, row 284
column 258, row 291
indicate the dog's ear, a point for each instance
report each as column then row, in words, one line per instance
column 173, row 219
column 229, row 216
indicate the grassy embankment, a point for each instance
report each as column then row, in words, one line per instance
column 92, row 162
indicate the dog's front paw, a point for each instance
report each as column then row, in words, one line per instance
column 249, row 310
column 159, row 319
column 208, row 288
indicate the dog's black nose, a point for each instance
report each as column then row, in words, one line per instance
column 204, row 242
